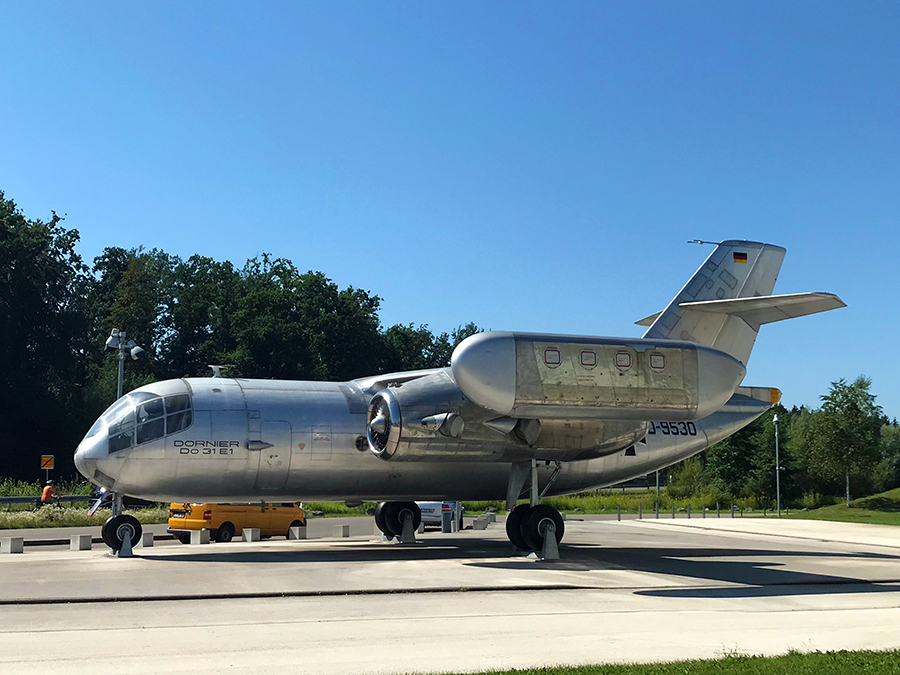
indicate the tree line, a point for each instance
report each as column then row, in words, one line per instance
column 268, row 319
column 846, row 447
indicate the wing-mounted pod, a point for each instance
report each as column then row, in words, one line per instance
column 385, row 424
column 524, row 375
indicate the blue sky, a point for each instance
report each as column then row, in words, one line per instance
column 526, row 166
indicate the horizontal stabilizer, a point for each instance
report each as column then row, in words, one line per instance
column 760, row 310
column 648, row 321
column 767, row 394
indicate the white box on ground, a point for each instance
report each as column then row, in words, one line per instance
column 341, row 531
column 12, row 544
column 199, row 536
column 146, row 539
column 80, row 542
column 251, row 534
column 297, row 533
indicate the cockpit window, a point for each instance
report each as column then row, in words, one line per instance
column 150, row 410
column 177, row 403
column 178, row 422
column 121, row 432
column 151, row 430
column 141, row 417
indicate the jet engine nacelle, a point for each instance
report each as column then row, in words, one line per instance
column 526, row 375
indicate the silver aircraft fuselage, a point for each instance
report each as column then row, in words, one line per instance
column 222, row 439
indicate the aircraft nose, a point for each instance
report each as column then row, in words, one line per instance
column 90, row 454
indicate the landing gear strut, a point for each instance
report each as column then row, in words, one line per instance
column 120, row 532
column 532, row 527
column 398, row 519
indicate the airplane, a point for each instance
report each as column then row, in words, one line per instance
column 515, row 414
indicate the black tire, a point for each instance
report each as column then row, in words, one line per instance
column 535, row 522
column 296, row 523
column 514, row 526
column 183, row 537
column 379, row 519
column 225, row 533
column 394, row 515
column 115, row 530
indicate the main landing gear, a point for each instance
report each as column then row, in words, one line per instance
column 533, row 527
column 121, row 532
column 398, row 519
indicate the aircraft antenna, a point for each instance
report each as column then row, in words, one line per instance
column 700, row 241
column 217, row 370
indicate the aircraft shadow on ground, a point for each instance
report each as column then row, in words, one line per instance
column 456, row 548
column 757, row 572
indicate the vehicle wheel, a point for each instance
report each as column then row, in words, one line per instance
column 395, row 512
column 535, row 522
column 379, row 519
column 115, row 530
column 225, row 533
column 183, row 537
column 296, row 523
column 514, row 526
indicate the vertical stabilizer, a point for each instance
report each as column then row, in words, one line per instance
column 735, row 269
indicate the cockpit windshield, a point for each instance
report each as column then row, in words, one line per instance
column 141, row 417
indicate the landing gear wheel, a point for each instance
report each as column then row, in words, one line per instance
column 117, row 528
column 395, row 514
column 379, row 519
column 514, row 526
column 535, row 524
column 225, row 533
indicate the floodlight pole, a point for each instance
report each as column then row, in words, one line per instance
column 121, row 381
column 777, row 468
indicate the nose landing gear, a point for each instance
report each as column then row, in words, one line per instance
column 121, row 532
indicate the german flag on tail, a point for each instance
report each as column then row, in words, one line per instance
column 740, row 258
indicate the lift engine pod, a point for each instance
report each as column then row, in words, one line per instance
column 526, row 375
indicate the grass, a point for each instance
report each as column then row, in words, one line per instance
column 55, row 516
column 880, row 509
column 816, row 663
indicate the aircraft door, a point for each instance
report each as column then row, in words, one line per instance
column 275, row 460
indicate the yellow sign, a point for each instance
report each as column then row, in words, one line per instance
column 47, row 461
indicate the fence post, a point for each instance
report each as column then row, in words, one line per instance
column 640, row 511
column 656, row 508
column 673, row 509
column 618, row 512
column 718, row 515
column 688, row 510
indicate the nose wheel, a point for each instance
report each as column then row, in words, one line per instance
column 121, row 532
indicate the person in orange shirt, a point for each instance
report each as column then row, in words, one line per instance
column 49, row 493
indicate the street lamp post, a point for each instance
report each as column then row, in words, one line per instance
column 117, row 340
column 777, row 468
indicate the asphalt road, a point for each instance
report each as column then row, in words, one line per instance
column 624, row 591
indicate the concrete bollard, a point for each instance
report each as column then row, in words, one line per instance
column 492, row 517
column 296, row 533
column 80, row 542
column 146, row 540
column 199, row 536
column 341, row 531
column 251, row 534
column 12, row 544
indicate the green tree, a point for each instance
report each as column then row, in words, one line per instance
column 841, row 439
column 43, row 336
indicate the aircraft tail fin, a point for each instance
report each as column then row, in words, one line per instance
column 729, row 298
